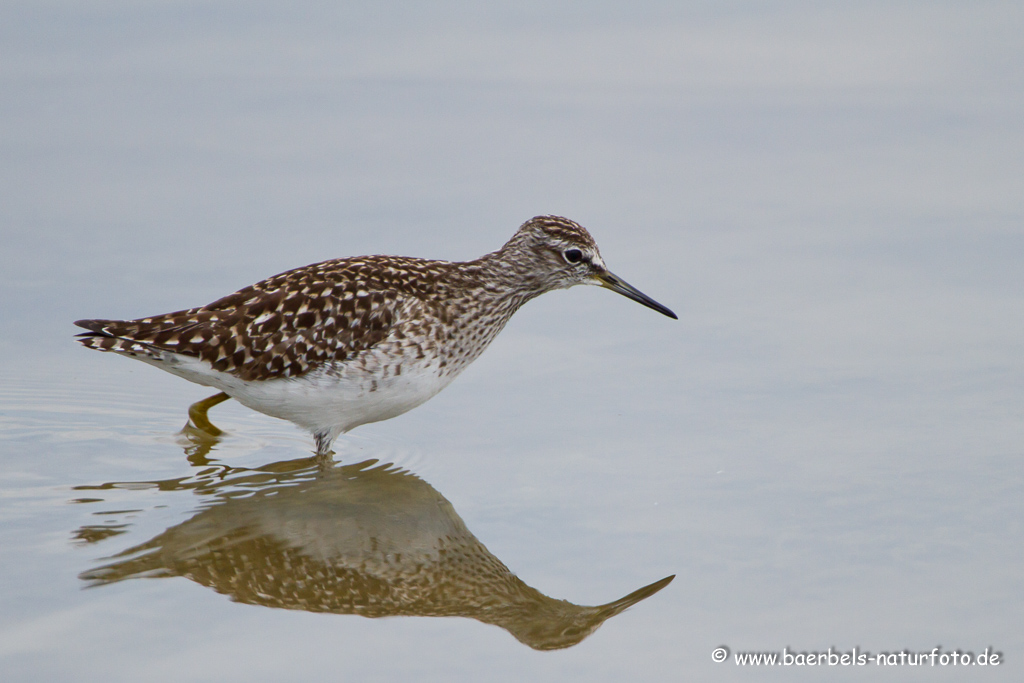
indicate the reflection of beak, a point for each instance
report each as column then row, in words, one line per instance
column 620, row 605
column 616, row 284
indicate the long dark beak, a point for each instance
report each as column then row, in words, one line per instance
column 617, row 284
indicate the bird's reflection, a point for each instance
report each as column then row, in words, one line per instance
column 368, row 539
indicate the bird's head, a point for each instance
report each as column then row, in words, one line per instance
column 561, row 253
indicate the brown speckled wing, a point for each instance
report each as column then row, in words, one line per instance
column 283, row 326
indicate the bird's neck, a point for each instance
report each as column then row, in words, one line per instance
column 512, row 275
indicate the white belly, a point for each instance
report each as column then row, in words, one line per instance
column 330, row 400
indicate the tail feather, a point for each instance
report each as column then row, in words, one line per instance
column 97, row 326
column 101, row 338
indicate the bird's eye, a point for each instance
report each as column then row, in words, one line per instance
column 573, row 255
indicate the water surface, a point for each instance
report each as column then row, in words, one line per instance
column 825, row 450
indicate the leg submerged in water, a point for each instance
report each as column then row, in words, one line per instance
column 198, row 417
column 323, row 444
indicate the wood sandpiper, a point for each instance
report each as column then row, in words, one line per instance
column 345, row 342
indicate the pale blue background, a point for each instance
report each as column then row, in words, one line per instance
column 826, row 447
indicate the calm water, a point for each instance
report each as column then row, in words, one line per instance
column 825, row 450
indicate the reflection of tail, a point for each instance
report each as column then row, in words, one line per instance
column 365, row 539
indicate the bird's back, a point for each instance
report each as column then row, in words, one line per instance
column 286, row 325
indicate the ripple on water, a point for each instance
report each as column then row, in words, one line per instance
column 46, row 411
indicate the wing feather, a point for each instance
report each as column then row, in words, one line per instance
column 283, row 326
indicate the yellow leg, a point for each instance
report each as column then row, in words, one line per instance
column 197, row 413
